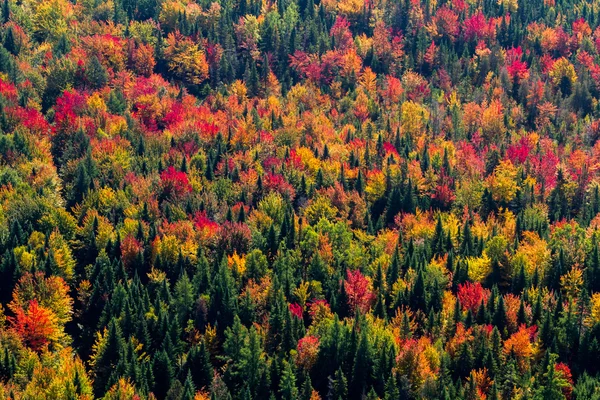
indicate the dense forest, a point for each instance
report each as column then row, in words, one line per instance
column 299, row 199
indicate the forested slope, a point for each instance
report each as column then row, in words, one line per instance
column 299, row 199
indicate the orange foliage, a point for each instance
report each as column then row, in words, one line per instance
column 35, row 325
column 520, row 344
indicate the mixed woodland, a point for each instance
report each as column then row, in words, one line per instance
column 299, row 199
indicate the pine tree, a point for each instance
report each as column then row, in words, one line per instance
column 553, row 383
column 189, row 389
column 200, row 366
column 362, row 367
column 287, row 386
column 252, row 364
column 417, row 297
column 95, row 73
column 109, row 355
column 223, row 296
column 10, row 43
column 338, row 386
column 5, row 11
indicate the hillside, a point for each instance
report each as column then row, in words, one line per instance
column 299, row 199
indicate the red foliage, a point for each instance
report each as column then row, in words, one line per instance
column 389, row 149
column 564, row 370
column 517, row 69
column 317, row 69
column 68, row 107
column 234, row 236
column 294, row 161
column 296, row 310
column 447, row 21
column 130, row 248
column 545, row 166
column 270, row 163
column 393, row 89
column 581, row 28
column 443, row 194
column 279, row 184
column 31, row 118
column 174, row 183
column 360, row 296
column 518, row 153
column 174, row 116
column 308, row 350
column 429, row 56
column 340, row 32
column 205, row 226
column 8, row 90
column 34, row 325
column 474, row 26
column 459, row 5
column 471, row 295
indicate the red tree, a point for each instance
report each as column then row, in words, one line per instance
column 471, row 295
column 35, row 325
column 174, row 183
column 360, row 296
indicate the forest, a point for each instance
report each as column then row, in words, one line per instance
column 299, row 199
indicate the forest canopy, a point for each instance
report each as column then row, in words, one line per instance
column 299, row 199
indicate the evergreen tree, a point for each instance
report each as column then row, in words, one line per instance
column 287, row 387
column 110, row 353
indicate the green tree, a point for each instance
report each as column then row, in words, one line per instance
column 287, row 386
column 554, row 383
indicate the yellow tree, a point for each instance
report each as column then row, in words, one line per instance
column 563, row 76
column 414, row 118
column 503, row 182
column 186, row 59
column 492, row 122
column 594, row 316
column 572, row 282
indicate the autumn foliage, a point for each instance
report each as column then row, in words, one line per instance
column 341, row 199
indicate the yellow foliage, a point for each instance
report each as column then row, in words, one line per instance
column 479, row 267
column 51, row 18
column 452, row 224
column 492, row 121
column 302, row 293
column 350, row 7
column 503, row 182
column 594, row 316
column 273, row 206
column 571, row 282
column 62, row 255
column 25, row 259
column 170, row 13
column 318, row 208
column 37, row 240
column 52, row 376
column 168, row 248
column 414, row 117
column 375, row 188
column 419, row 225
column 105, row 230
column 509, row 5
column 122, row 390
column 534, row 252
column 186, row 59
column 368, row 81
column 96, row 103
column 237, row 263
column 562, row 68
